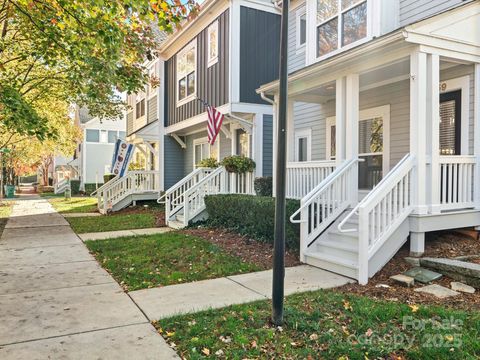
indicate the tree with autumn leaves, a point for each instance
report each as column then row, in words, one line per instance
column 74, row 51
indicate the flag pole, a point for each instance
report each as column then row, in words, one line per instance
column 279, row 231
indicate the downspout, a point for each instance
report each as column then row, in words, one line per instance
column 266, row 98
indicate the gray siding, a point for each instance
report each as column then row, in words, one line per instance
column 267, row 145
column 259, row 49
column 152, row 110
column 212, row 82
column 414, row 10
column 130, row 123
column 296, row 60
column 173, row 161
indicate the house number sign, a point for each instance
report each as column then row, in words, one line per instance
column 443, row 86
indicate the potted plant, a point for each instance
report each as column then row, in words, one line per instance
column 238, row 164
column 210, row 163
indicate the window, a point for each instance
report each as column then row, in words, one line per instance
column 301, row 29
column 112, row 136
column 121, row 135
column 242, row 143
column 213, row 44
column 186, row 65
column 373, row 140
column 92, row 135
column 140, row 105
column 203, row 150
column 303, row 140
column 340, row 23
column 103, row 136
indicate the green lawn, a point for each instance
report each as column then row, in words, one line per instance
column 74, row 205
column 82, row 225
column 5, row 211
column 164, row 259
column 326, row 325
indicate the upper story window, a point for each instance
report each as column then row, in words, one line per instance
column 301, row 29
column 213, row 43
column 140, row 105
column 339, row 23
column 92, row 135
column 186, row 69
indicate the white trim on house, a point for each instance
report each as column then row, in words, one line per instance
column 234, row 127
column 380, row 111
column 463, row 84
column 212, row 28
column 305, row 133
column 234, row 51
column 189, row 97
column 203, row 141
column 300, row 48
column 194, row 120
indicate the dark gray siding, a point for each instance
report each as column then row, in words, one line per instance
column 130, row 123
column 414, row 10
column 173, row 157
column 212, row 82
column 267, row 145
column 259, row 50
column 152, row 110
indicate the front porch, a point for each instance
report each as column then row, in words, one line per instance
column 377, row 135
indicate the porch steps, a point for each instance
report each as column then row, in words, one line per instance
column 336, row 251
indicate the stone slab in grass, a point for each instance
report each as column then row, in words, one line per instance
column 403, row 280
column 438, row 291
column 423, row 275
column 128, row 342
column 458, row 286
column 458, row 270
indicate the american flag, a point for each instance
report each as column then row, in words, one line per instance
column 215, row 119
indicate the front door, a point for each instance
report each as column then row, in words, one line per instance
column 450, row 123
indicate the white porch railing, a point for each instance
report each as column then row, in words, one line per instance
column 189, row 194
column 325, row 203
column 381, row 212
column 60, row 186
column 174, row 196
column 456, row 182
column 134, row 182
column 302, row 177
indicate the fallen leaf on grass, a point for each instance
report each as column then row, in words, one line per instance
column 413, row 307
column 206, row 351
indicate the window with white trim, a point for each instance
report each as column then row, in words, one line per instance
column 212, row 43
column 203, row 150
column 301, row 29
column 140, row 105
column 303, row 145
column 339, row 23
column 186, row 73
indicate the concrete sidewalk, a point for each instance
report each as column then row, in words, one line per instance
column 122, row 233
column 56, row 302
column 167, row 301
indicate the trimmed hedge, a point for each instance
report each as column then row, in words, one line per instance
column 252, row 216
column 263, row 186
column 91, row 187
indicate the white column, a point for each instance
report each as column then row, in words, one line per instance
column 417, row 243
column 476, row 137
column 418, row 115
column 351, row 129
column 257, row 146
column 433, row 130
column 340, row 107
column 161, row 125
column 290, row 132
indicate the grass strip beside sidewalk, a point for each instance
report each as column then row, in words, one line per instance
column 74, row 205
column 5, row 211
column 164, row 259
column 326, row 325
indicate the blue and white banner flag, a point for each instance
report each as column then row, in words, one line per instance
column 122, row 155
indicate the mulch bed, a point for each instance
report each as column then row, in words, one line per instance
column 249, row 250
column 438, row 244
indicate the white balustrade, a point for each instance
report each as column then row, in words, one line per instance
column 302, row 177
column 456, row 182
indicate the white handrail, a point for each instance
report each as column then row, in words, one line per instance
column 379, row 188
column 309, row 198
column 104, row 186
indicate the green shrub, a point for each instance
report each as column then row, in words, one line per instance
column 208, row 163
column 75, row 186
column 238, row 164
column 251, row 215
column 91, row 187
column 263, row 186
column 108, row 177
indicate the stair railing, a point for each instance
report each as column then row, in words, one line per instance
column 325, row 203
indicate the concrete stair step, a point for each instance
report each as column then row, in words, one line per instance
column 346, row 267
